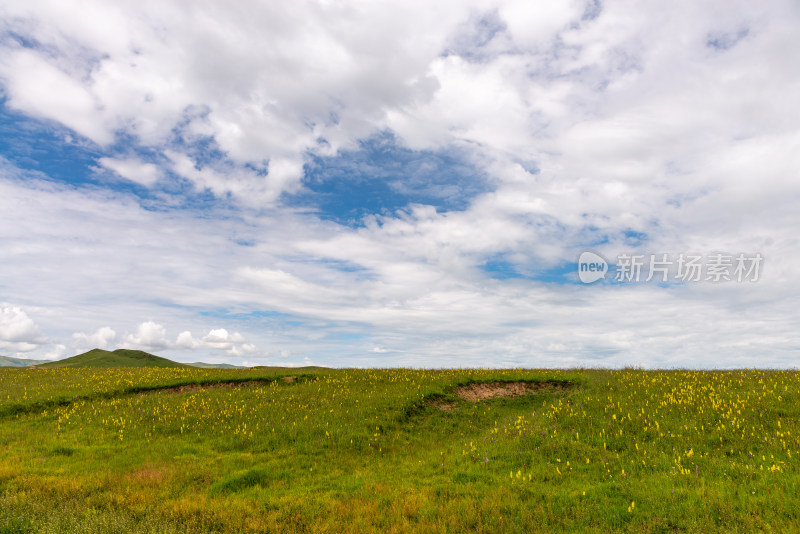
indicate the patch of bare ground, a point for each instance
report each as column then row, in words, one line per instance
column 490, row 390
column 442, row 404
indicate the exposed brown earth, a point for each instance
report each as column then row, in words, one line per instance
column 442, row 404
column 491, row 390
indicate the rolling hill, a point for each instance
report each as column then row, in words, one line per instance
column 8, row 361
column 117, row 358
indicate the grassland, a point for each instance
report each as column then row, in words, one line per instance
column 209, row 450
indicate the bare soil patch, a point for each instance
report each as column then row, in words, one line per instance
column 442, row 404
column 490, row 390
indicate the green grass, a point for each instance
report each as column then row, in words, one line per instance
column 124, row 450
column 117, row 358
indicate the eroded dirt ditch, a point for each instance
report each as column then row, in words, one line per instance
column 480, row 391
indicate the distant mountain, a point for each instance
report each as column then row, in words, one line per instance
column 7, row 361
column 216, row 365
column 117, row 358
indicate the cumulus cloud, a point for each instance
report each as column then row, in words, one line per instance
column 265, row 84
column 133, row 169
column 15, row 325
column 245, row 349
column 72, row 104
column 56, row 352
column 149, row 335
column 101, row 339
column 233, row 343
column 608, row 102
column 153, row 336
column 18, row 332
column 222, row 338
column 186, row 341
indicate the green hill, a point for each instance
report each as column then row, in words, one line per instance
column 117, row 358
column 8, row 361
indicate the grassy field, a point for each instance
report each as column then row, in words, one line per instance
column 315, row 450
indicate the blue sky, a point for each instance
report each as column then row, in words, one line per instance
column 398, row 183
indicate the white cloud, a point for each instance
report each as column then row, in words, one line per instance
column 18, row 332
column 534, row 27
column 137, row 171
column 221, row 339
column 267, row 84
column 421, row 286
column 153, row 336
column 186, row 341
column 55, row 353
column 15, row 325
column 217, row 339
column 235, row 351
column 622, row 95
column 101, row 339
column 149, row 335
column 246, row 185
column 31, row 83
